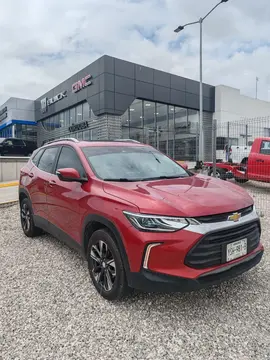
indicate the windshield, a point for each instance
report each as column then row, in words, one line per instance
column 125, row 163
column 2, row 139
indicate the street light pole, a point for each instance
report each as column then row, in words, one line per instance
column 201, row 128
column 201, row 131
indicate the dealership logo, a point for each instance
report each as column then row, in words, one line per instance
column 80, row 126
column 234, row 217
column 3, row 114
column 81, row 84
column 45, row 102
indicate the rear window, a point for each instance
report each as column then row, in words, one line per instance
column 36, row 156
column 265, row 147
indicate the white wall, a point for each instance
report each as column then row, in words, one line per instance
column 231, row 105
column 245, row 114
column 19, row 109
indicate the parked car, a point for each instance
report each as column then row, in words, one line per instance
column 141, row 220
column 16, row 147
column 254, row 164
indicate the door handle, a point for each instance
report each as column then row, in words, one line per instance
column 52, row 183
column 31, row 175
column 260, row 160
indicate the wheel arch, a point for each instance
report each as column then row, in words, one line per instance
column 23, row 194
column 244, row 160
column 93, row 223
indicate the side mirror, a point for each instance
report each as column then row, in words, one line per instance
column 70, row 175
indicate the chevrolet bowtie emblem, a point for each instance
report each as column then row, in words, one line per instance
column 234, row 217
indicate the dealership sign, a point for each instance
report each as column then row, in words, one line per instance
column 80, row 126
column 3, row 114
column 81, row 84
column 47, row 102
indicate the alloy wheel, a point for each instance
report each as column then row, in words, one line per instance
column 104, row 269
column 26, row 217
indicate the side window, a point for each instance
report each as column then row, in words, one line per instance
column 46, row 161
column 37, row 156
column 17, row 142
column 8, row 142
column 69, row 159
column 265, row 148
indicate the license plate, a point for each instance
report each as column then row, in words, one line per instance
column 236, row 249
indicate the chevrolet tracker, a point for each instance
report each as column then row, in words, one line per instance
column 141, row 220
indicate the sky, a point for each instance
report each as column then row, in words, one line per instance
column 43, row 42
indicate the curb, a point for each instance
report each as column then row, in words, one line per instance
column 8, row 203
column 9, row 184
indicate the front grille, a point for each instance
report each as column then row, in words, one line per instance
column 224, row 216
column 211, row 249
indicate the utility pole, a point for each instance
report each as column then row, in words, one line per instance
column 257, row 80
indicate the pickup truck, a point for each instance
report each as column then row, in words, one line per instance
column 254, row 166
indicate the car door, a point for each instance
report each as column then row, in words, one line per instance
column 40, row 173
column 18, row 147
column 63, row 198
column 263, row 161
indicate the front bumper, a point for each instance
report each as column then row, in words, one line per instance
column 150, row 281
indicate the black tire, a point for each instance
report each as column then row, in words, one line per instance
column 106, row 266
column 27, row 220
column 240, row 181
column 220, row 173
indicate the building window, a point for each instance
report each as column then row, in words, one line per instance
column 162, row 127
column 72, row 116
column 150, row 123
column 171, row 144
column 193, row 121
column 125, row 125
column 86, row 111
column 79, row 113
column 136, row 114
column 61, row 119
column 181, row 121
column 66, row 118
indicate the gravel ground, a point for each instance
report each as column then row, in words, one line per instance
column 50, row 310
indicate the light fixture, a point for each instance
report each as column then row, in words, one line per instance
column 147, row 104
column 180, row 28
column 132, row 109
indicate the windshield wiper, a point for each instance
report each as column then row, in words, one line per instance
column 165, row 177
column 121, row 179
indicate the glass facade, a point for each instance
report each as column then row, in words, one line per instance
column 77, row 114
column 20, row 131
column 68, row 117
column 170, row 129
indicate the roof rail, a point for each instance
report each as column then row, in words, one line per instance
column 62, row 139
column 127, row 140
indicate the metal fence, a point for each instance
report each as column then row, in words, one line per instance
column 232, row 143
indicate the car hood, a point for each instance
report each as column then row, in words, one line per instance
column 193, row 196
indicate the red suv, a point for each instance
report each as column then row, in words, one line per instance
column 141, row 220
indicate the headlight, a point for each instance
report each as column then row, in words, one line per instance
column 145, row 222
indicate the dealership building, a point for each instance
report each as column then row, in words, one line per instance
column 113, row 99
